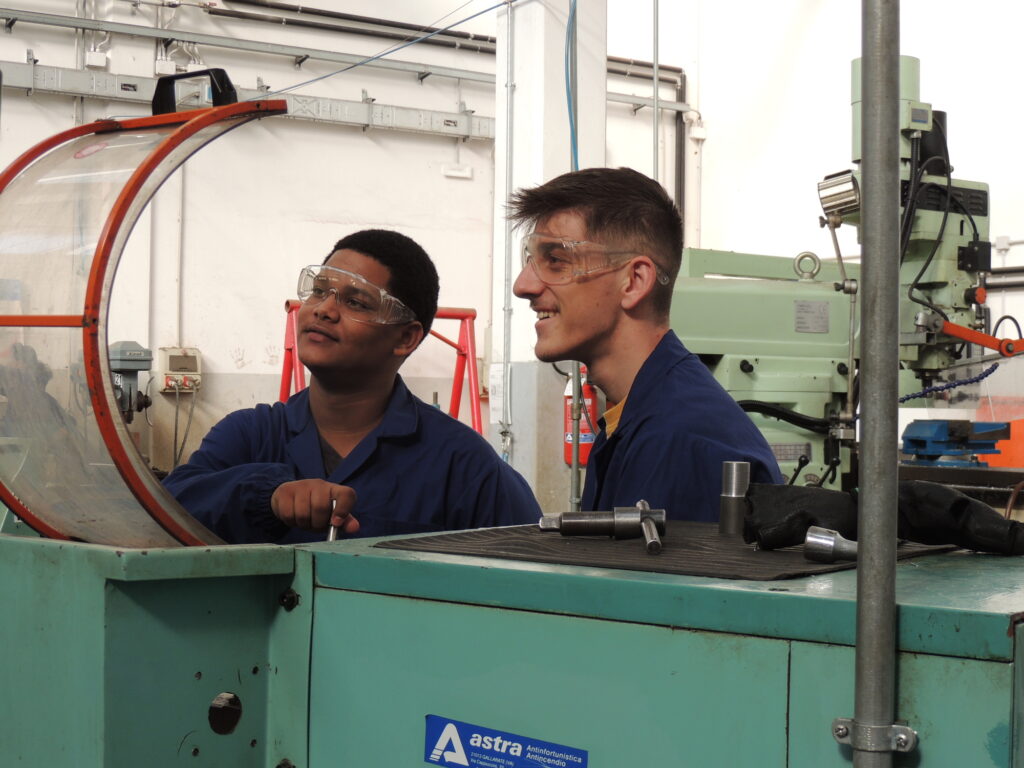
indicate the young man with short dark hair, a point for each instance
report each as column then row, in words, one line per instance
column 356, row 449
column 598, row 269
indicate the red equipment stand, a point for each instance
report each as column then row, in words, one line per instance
column 293, row 375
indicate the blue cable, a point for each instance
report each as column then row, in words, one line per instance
column 382, row 54
column 952, row 384
column 570, row 41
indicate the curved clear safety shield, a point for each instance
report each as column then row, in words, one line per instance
column 68, row 467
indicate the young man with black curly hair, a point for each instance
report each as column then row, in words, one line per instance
column 356, row 449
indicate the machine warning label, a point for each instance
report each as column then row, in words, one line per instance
column 811, row 316
column 452, row 742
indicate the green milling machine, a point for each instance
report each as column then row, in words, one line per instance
column 133, row 637
column 791, row 356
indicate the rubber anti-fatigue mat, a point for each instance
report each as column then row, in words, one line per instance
column 689, row 549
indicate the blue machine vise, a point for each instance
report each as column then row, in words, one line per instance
column 926, row 442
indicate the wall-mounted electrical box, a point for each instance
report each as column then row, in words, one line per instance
column 180, row 369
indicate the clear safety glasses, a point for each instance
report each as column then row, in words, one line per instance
column 357, row 297
column 558, row 261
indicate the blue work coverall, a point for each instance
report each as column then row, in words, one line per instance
column 419, row 470
column 677, row 427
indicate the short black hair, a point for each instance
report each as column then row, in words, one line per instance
column 616, row 203
column 413, row 275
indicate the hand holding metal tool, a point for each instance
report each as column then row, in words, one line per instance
column 621, row 523
column 332, row 531
column 349, row 523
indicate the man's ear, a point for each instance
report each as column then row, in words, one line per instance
column 409, row 338
column 639, row 280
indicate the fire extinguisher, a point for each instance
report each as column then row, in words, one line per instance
column 588, row 396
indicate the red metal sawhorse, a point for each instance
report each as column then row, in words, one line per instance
column 293, row 375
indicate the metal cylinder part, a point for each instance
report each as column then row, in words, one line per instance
column 732, row 506
column 587, row 524
column 629, row 520
column 735, row 478
column 826, row 546
column 651, row 537
column 621, row 523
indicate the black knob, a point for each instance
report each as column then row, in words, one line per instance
column 746, row 366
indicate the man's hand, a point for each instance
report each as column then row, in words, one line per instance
column 308, row 504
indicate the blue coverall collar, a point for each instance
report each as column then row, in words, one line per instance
column 400, row 419
column 666, row 353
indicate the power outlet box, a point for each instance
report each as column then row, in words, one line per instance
column 164, row 67
column 96, row 59
column 181, row 369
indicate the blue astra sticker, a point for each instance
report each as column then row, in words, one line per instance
column 453, row 742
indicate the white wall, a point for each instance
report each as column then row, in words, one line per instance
column 275, row 195
column 771, row 82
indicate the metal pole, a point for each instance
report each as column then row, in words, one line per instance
column 874, row 700
column 506, row 355
column 680, row 158
column 575, row 490
column 78, row 114
column 656, row 109
column 575, row 484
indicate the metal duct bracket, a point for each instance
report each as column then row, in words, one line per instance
column 874, row 738
column 222, row 91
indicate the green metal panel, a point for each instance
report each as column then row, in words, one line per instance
column 120, row 653
column 961, row 708
column 955, row 604
column 1017, row 712
column 632, row 695
column 52, row 676
column 288, row 682
column 11, row 525
column 763, row 317
column 171, row 648
column 910, row 90
column 701, row 262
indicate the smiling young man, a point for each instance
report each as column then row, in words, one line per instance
column 355, row 449
column 598, row 269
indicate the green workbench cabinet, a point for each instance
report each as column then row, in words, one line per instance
column 646, row 669
column 339, row 652
column 630, row 694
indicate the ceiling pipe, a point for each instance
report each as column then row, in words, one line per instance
column 348, row 29
column 323, row 12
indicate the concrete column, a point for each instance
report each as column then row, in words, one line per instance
column 536, row 141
